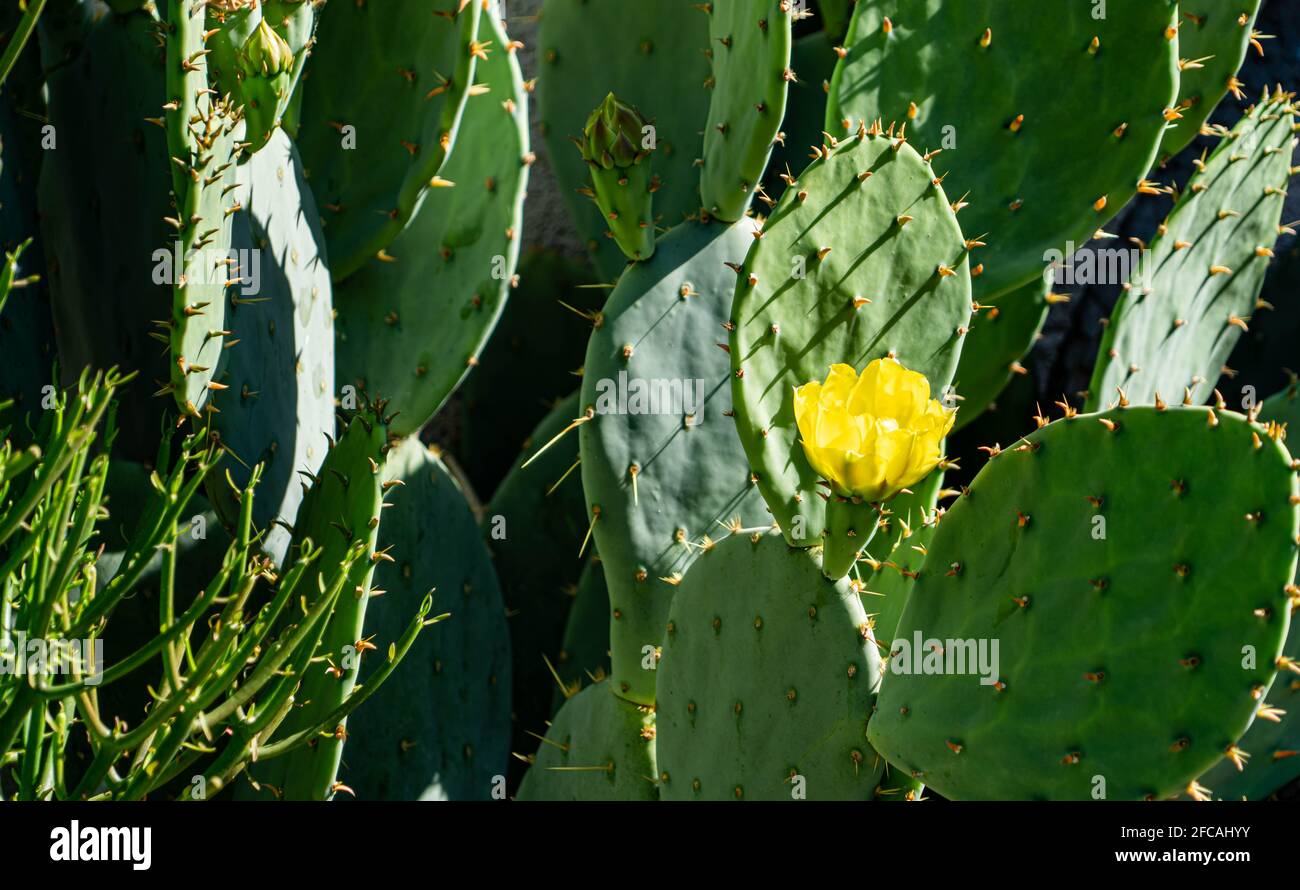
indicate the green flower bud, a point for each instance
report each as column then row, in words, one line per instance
column 613, row 135
column 266, row 53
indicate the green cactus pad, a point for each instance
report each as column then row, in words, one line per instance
column 397, row 75
column 411, row 328
column 102, row 203
column 1213, row 39
column 1001, row 334
column 649, row 54
column 534, row 534
column 535, row 333
column 888, row 571
column 889, row 239
column 749, row 46
column 1121, row 639
column 258, row 54
column 1272, row 745
column 813, row 59
column 279, row 405
column 1040, row 171
column 599, row 747
column 203, row 133
column 438, row 729
column 1196, row 288
column 661, row 482
column 584, row 654
column 835, row 15
column 767, row 680
column 340, row 511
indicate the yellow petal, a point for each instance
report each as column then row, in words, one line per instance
column 871, row 434
column 806, row 399
column 839, row 383
column 900, row 393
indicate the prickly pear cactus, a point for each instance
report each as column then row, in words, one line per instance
column 661, row 467
column 203, row 134
column 279, row 405
column 534, row 527
column 257, row 56
column 108, row 253
column 1196, row 289
column 862, row 258
column 768, row 674
column 1039, row 171
column 584, row 654
column 1002, row 332
column 439, row 727
column 813, row 60
column 544, row 332
column 614, row 146
column 1269, row 752
column 598, row 747
column 412, row 327
column 381, row 106
column 888, row 570
column 835, row 15
column 749, row 48
column 1080, row 554
column 1268, row 755
column 340, row 512
column 1213, row 39
column 650, row 55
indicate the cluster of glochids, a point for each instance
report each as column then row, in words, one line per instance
column 751, row 474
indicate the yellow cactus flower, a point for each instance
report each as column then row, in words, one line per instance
column 871, row 436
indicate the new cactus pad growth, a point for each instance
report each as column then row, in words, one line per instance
column 745, row 113
column 614, row 145
column 1037, row 171
column 1196, row 290
column 661, row 468
column 1080, row 553
column 861, row 259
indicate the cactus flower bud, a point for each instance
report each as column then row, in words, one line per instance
column 266, row 53
column 613, row 135
column 872, row 435
column 614, row 145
